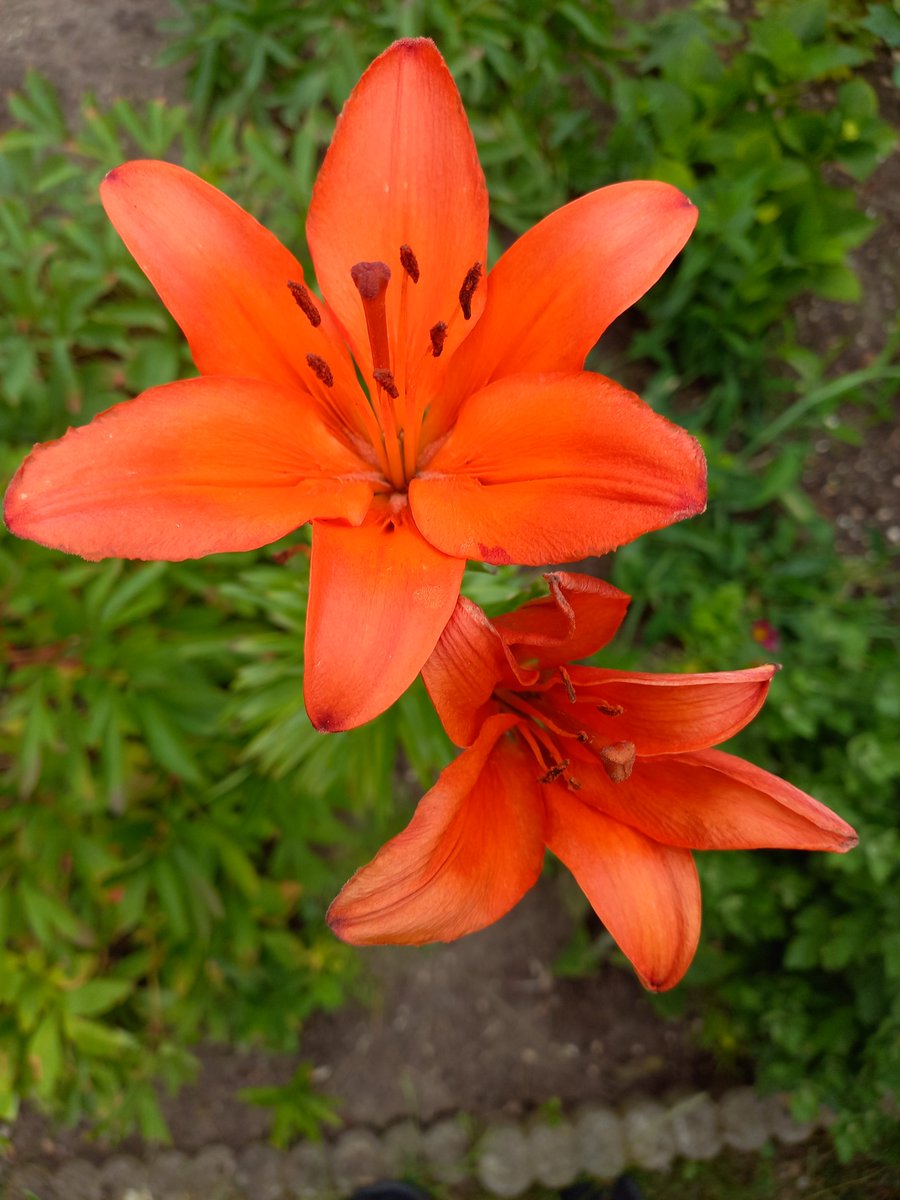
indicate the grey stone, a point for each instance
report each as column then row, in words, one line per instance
column 167, row 1175
column 79, row 1180
column 357, row 1159
column 783, row 1123
column 743, row 1119
column 601, row 1143
column 445, row 1150
column 555, row 1153
column 648, row 1135
column 503, row 1163
column 30, row 1178
column 307, row 1171
column 260, row 1172
column 123, row 1173
column 402, row 1146
column 212, row 1175
column 695, row 1127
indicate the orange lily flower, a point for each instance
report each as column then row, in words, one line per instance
column 474, row 434
column 612, row 770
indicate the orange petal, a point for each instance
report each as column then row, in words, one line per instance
column 580, row 616
column 472, row 850
column 552, row 468
column 557, row 288
column 184, row 470
column 222, row 276
column 467, row 663
column 379, row 596
column 646, row 894
column 402, row 169
column 714, row 801
column 668, row 714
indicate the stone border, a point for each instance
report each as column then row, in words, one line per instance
column 505, row 1158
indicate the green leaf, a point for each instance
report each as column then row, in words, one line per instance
column 96, row 996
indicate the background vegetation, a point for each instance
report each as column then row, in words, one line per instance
column 171, row 829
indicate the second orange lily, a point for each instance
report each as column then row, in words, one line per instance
column 612, row 770
column 476, row 435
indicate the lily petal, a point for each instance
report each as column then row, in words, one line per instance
column 473, row 848
column 714, row 801
column 668, row 714
column 552, row 468
column 222, row 276
column 556, row 289
column 402, row 169
column 379, row 596
column 184, row 470
column 579, row 617
column 467, row 663
column 646, row 894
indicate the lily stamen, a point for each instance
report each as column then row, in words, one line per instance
column 320, row 369
column 409, row 262
column 438, row 335
column 385, row 380
column 467, row 291
column 305, row 303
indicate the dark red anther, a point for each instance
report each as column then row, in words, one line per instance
column 409, row 262
column 438, row 335
column 320, row 369
column 305, row 303
column 385, row 380
column 555, row 772
column 467, row 291
column 610, row 710
column 618, row 760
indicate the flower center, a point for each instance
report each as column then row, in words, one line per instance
column 389, row 415
column 549, row 727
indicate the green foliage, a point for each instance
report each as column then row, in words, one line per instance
column 297, row 1111
column 171, row 828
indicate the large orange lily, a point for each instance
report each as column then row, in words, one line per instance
column 477, row 434
column 612, row 770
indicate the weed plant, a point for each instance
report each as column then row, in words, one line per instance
column 171, row 828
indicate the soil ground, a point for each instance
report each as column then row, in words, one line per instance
column 483, row 1026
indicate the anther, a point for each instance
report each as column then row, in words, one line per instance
column 584, row 737
column 371, row 279
column 305, row 303
column 438, row 335
column 610, row 710
column 618, row 760
column 320, row 369
column 570, row 687
column 555, row 771
column 409, row 262
column 467, row 291
column 385, row 380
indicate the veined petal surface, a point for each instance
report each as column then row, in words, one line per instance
column 556, row 289
column 552, row 468
column 711, row 800
column 466, row 664
column 473, row 848
column 668, row 714
column 379, row 596
column 579, row 616
column 222, row 276
column 402, row 169
column 646, row 894
column 187, row 469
